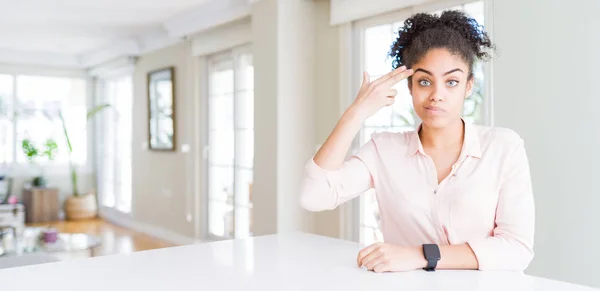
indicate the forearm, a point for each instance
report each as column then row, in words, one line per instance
column 333, row 152
column 453, row 257
column 457, row 257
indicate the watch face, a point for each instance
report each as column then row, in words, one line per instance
column 432, row 252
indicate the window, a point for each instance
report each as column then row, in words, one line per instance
column 231, row 144
column 29, row 109
column 115, row 130
column 375, row 42
column 7, row 144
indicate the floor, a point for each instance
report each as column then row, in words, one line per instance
column 114, row 239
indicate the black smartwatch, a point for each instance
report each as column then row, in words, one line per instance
column 432, row 255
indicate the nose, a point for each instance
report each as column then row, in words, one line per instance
column 437, row 95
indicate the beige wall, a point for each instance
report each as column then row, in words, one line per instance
column 327, row 75
column 162, row 187
column 265, row 52
column 284, row 47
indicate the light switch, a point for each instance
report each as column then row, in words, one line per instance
column 185, row 148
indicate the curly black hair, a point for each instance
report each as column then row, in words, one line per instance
column 452, row 30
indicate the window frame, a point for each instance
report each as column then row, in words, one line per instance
column 228, row 54
column 19, row 169
column 101, row 85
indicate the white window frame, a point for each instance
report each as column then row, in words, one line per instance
column 230, row 53
column 24, row 169
column 351, row 68
column 100, row 91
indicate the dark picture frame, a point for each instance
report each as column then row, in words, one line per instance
column 162, row 133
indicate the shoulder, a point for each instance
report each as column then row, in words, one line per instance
column 383, row 144
column 494, row 138
column 395, row 139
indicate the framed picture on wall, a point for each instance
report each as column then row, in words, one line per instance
column 161, row 110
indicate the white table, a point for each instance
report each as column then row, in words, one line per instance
column 279, row 262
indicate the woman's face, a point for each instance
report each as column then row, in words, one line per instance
column 439, row 87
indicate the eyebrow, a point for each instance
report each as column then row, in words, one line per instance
column 447, row 73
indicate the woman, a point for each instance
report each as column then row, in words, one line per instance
column 451, row 195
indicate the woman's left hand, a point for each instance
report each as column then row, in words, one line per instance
column 381, row 257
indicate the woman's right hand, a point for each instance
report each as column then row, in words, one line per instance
column 375, row 95
column 371, row 97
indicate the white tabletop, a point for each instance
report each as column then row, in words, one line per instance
column 278, row 262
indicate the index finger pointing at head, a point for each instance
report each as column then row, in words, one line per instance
column 397, row 78
column 389, row 75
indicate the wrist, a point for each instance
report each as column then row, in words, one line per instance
column 420, row 260
column 354, row 114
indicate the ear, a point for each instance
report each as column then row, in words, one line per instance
column 470, row 85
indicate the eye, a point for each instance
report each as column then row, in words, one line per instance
column 452, row 83
column 424, row 83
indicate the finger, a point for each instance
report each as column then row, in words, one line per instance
column 389, row 101
column 397, row 78
column 374, row 261
column 391, row 93
column 370, row 257
column 364, row 252
column 380, row 268
column 389, row 75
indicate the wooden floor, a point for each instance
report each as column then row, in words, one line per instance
column 114, row 239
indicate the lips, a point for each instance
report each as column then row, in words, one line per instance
column 434, row 109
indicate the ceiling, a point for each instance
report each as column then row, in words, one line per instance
column 78, row 27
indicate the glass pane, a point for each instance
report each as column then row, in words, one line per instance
column 473, row 106
column 242, row 222
column 6, row 95
column 108, row 184
column 475, row 10
column 243, row 186
column 377, row 45
column 6, row 141
column 221, row 147
column 370, row 209
column 220, row 112
column 245, row 110
column 220, row 184
column 369, row 235
column 221, row 82
column 40, row 99
column 403, row 113
column 395, row 27
column 245, row 73
column 220, row 221
column 43, row 91
column 382, row 118
column 244, row 154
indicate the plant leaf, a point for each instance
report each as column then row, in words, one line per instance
column 62, row 120
column 95, row 110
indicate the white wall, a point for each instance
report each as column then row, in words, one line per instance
column 545, row 87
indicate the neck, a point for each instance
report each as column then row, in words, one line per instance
column 441, row 138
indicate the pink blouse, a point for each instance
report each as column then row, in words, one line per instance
column 486, row 201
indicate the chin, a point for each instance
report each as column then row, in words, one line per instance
column 435, row 122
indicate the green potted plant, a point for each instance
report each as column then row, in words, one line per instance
column 79, row 205
column 32, row 152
